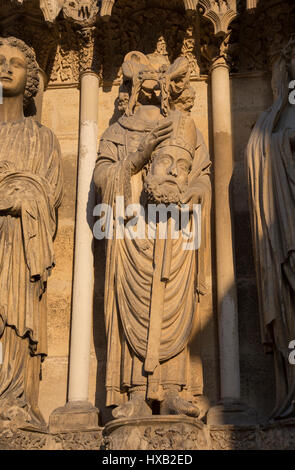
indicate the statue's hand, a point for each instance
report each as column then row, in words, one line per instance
column 148, row 145
column 194, row 195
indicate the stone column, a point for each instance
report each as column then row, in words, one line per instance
column 229, row 410
column 226, row 282
column 78, row 413
column 83, row 281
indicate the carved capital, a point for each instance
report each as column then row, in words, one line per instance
column 219, row 52
column 88, row 60
column 220, row 12
column 219, row 62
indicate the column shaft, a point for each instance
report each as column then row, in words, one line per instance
column 226, row 283
column 82, row 300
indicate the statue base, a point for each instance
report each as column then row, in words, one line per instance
column 163, row 432
column 231, row 413
column 157, row 433
column 74, row 416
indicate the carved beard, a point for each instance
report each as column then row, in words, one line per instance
column 159, row 192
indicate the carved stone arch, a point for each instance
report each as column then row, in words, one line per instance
column 36, row 35
column 107, row 6
column 151, row 27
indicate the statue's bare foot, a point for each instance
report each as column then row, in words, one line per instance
column 135, row 407
column 173, row 404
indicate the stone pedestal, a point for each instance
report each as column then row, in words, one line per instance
column 74, row 416
column 20, row 439
column 229, row 437
column 278, row 435
column 156, row 433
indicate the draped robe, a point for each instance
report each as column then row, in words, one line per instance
column 129, row 275
column 271, row 179
column 31, row 178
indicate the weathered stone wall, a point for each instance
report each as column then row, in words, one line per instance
column 250, row 96
column 61, row 113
